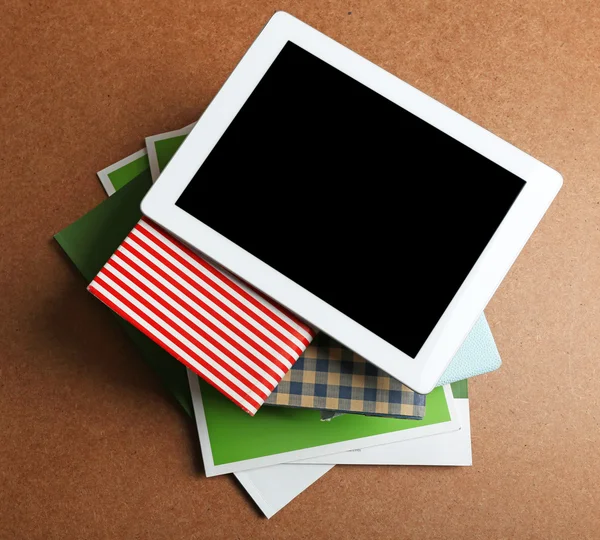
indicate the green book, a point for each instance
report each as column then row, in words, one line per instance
column 89, row 243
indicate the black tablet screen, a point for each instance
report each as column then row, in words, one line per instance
column 352, row 197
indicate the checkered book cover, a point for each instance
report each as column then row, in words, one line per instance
column 328, row 376
column 232, row 336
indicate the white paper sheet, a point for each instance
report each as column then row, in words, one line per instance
column 274, row 487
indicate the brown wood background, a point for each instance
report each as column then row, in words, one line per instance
column 91, row 446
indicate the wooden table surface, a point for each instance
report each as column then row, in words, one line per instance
column 90, row 444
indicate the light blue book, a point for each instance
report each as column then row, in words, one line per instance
column 477, row 355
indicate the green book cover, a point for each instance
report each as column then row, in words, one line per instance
column 89, row 243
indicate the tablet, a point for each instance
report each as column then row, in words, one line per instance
column 372, row 211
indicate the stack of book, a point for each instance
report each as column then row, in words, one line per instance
column 275, row 402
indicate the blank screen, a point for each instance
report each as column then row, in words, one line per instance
column 370, row 208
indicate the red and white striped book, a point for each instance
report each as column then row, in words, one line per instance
column 235, row 338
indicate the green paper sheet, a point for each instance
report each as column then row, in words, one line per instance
column 235, row 436
column 166, row 148
column 125, row 174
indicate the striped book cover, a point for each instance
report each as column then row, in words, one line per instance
column 232, row 336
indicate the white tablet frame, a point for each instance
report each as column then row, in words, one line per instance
column 420, row 373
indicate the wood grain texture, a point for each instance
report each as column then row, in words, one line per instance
column 91, row 447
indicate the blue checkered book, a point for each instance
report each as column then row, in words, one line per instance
column 330, row 377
